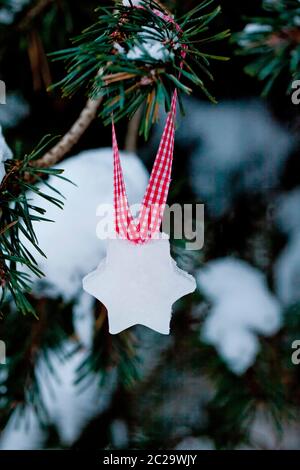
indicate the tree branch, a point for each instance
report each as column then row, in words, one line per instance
column 131, row 141
column 71, row 138
column 84, row 120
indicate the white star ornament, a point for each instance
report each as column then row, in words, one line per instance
column 138, row 284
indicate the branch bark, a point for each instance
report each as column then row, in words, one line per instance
column 71, row 138
column 33, row 13
column 131, row 141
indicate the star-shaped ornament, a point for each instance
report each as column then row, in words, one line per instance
column 138, row 284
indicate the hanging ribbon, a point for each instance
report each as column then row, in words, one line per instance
column 148, row 224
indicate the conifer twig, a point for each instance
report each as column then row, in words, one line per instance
column 150, row 79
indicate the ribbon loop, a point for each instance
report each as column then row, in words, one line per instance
column 155, row 198
column 151, row 213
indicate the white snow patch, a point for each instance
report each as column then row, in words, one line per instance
column 135, row 3
column 119, row 48
column 120, row 435
column 149, row 44
column 70, row 243
column 287, row 265
column 242, row 307
column 23, row 432
column 195, row 443
column 287, row 212
column 15, row 110
column 287, row 272
column 238, row 148
column 254, row 28
column 70, row 408
column 7, row 14
column 83, row 319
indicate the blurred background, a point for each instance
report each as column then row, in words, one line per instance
column 224, row 378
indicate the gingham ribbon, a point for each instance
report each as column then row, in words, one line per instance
column 147, row 225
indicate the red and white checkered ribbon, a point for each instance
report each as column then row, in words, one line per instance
column 151, row 213
column 148, row 224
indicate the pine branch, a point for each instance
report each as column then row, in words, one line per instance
column 16, row 221
column 27, row 345
column 272, row 42
column 119, row 45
